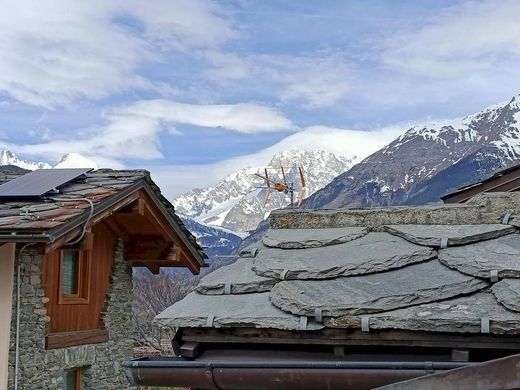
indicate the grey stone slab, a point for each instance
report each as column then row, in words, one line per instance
column 514, row 220
column 239, row 276
column 374, row 252
column 432, row 235
column 252, row 250
column 412, row 285
column 241, row 310
column 500, row 254
column 457, row 315
column 507, row 292
column 311, row 238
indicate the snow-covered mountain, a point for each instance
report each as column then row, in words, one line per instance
column 69, row 160
column 9, row 158
column 429, row 160
column 75, row 160
column 237, row 202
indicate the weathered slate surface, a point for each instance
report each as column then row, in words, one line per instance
column 514, row 220
column 239, row 275
column 311, row 238
column 241, row 310
column 431, row 235
column 507, row 292
column 501, row 254
column 412, row 285
column 374, row 252
column 456, row 315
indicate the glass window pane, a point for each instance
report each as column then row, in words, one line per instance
column 70, row 380
column 70, row 272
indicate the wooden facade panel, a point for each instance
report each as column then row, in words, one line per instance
column 68, row 339
column 70, row 317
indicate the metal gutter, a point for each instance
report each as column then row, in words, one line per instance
column 281, row 374
column 43, row 238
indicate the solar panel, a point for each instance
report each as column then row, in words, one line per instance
column 40, row 182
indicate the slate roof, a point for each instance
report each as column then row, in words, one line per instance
column 49, row 217
column 439, row 277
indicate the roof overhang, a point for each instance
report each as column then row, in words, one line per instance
column 141, row 189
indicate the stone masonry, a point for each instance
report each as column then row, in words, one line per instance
column 43, row 369
column 483, row 208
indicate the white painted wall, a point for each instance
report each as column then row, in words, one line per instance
column 7, row 255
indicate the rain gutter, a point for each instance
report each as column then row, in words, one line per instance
column 284, row 374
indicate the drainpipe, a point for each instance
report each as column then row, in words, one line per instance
column 17, row 336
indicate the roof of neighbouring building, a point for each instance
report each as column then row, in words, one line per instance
column 507, row 179
column 447, row 268
column 53, row 215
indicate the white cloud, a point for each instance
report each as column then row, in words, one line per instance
column 318, row 80
column 472, row 37
column 175, row 180
column 132, row 132
column 57, row 51
column 241, row 117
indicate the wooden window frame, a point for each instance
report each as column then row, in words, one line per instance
column 83, row 295
column 78, row 377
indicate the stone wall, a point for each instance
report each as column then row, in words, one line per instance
column 43, row 369
column 483, row 208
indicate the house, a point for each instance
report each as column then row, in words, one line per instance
column 506, row 180
column 68, row 241
column 354, row 299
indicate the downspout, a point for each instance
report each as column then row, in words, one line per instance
column 17, row 335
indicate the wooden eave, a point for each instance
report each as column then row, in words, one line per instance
column 504, row 181
column 137, row 203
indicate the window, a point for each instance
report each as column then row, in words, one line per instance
column 74, row 276
column 72, row 379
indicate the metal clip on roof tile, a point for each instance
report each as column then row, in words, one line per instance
column 505, row 220
column 365, row 323
column 318, row 315
column 227, row 288
column 444, row 242
column 303, row 323
column 210, row 320
column 493, row 275
column 484, row 325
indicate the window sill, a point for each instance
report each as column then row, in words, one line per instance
column 71, row 339
column 64, row 300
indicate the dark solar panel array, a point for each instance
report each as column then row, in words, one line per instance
column 40, row 182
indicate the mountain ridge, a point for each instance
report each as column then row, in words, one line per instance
column 237, row 202
column 429, row 160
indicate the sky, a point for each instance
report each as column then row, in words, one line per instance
column 194, row 89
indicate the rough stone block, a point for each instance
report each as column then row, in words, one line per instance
column 412, row 285
column 239, row 310
column 456, row 315
column 311, row 238
column 500, row 254
column 374, row 252
column 432, row 235
column 507, row 292
column 239, row 276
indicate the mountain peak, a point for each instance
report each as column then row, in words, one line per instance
column 75, row 160
column 237, row 202
column 7, row 157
